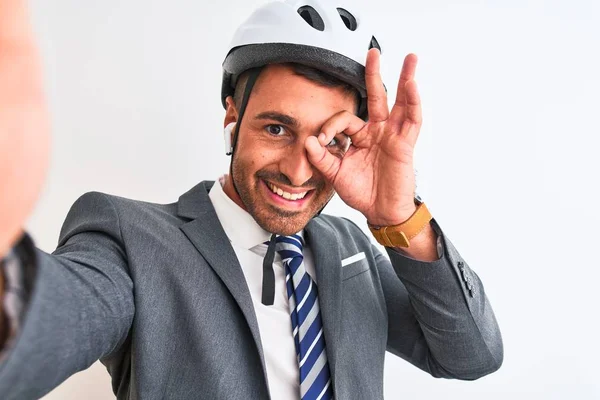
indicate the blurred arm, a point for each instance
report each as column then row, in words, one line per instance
column 80, row 306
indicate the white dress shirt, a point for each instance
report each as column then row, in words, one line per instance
column 274, row 322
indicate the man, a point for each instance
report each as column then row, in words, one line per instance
column 242, row 289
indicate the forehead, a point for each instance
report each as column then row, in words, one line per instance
column 279, row 88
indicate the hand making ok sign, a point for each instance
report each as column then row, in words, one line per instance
column 376, row 175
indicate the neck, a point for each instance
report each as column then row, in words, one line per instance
column 230, row 191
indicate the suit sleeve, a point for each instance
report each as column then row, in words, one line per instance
column 80, row 308
column 439, row 317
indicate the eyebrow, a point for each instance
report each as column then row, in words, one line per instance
column 276, row 116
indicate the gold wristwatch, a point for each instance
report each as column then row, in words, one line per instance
column 401, row 234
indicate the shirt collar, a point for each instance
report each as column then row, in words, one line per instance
column 239, row 226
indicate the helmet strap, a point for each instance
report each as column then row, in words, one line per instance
column 252, row 77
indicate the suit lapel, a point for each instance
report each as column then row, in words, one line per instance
column 209, row 238
column 322, row 240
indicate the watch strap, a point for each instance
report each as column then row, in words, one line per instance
column 401, row 234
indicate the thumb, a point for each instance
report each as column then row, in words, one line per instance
column 323, row 160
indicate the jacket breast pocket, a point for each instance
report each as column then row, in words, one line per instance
column 354, row 265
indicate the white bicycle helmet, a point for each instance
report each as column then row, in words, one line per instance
column 322, row 34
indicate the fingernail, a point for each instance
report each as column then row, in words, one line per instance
column 322, row 137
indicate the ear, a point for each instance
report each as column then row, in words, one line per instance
column 231, row 113
column 230, row 121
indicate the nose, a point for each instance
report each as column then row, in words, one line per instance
column 295, row 165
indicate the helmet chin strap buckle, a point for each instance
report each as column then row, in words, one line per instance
column 227, row 137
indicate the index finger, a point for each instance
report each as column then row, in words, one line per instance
column 342, row 122
column 376, row 95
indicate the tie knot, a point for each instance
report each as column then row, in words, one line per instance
column 295, row 240
column 289, row 246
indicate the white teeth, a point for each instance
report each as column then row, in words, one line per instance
column 286, row 195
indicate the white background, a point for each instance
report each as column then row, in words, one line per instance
column 507, row 157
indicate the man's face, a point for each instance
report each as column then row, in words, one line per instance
column 277, row 184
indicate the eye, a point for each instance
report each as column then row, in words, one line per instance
column 275, row 130
column 339, row 145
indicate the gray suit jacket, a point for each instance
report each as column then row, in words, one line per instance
column 157, row 294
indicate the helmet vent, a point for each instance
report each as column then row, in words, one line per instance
column 348, row 19
column 374, row 43
column 312, row 17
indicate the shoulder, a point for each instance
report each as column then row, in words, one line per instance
column 97, row 208
column 97, row 201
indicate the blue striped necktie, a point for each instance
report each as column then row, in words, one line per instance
column 307, row 328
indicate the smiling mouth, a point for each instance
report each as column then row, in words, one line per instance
column 286, row 195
